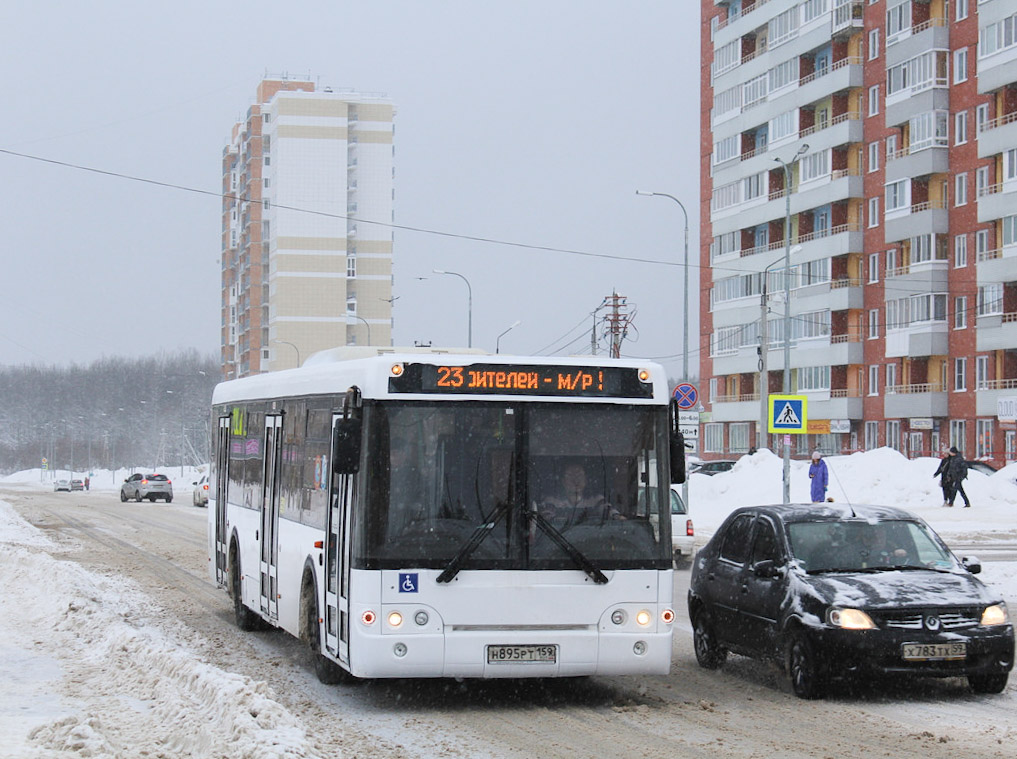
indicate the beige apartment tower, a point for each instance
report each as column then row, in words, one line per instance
column 306, row 233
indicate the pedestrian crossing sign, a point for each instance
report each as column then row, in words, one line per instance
column 789, row 414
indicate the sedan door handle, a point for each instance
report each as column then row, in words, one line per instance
column 745, row 588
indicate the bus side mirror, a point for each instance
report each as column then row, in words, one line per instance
column 346, row 446
column 677, row 458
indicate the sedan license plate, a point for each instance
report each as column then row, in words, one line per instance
column 522, row 654
column 934, row 651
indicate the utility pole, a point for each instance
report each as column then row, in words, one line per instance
column 617, row 321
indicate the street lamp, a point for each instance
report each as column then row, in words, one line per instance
column 469, row 290
column 515, row 324
column 764, row 339
column 788, row 166
column 685, row 319
column 294, row 347
column 366, row 323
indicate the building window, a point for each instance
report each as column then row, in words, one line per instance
column 983, row 438
column 871, row 436
column 738, row 437
column 981, row 372
column 351, row 267
column 874, row 212
column 960, row 372
column 960, row 128
column 873, row 323
column 873, row 156
column 981, row 181
column 960, row 186
column 713, row 437
column 874, row 100
column 981, row 117
column 898, row 196
column 891, row 378
column 960, row 65
column 873, row 267
column 960, row 312
column 873, row 379
column 990, row 299
column 958, row 433
column 351, row 305
column 893, row 434
column 874, row 44
column 981, row 243
column 962, row 9
column 960, row 251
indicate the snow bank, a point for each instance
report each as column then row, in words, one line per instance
column 126, row 690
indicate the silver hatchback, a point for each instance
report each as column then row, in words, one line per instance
column 151, row 486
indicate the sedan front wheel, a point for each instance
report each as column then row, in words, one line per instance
column 709, row 653
column 807, row 680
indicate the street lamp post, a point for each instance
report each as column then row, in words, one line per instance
column 497, row 342
column 764, row 338
column 788, row 166
column 355, row 316
column 685, row 313
column 469, row 291
column 294, row 347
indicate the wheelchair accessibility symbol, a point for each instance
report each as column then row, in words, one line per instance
column 407, row 582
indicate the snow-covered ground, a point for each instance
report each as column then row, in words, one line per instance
column 55, row 611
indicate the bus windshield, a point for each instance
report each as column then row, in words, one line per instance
column 437, row 472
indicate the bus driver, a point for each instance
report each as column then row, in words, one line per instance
column 573, row 505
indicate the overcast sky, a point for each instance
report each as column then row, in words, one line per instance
column 532, row 122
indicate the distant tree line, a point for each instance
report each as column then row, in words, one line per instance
column 115, row 413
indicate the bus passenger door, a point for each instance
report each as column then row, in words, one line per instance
column 341, row 497
column 270, row 516
column 222, row 475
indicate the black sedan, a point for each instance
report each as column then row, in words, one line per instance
column 832, row 590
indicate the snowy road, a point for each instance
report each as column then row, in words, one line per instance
column 138, row 657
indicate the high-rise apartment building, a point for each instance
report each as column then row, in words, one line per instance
column 303, row 270
column 885, row 132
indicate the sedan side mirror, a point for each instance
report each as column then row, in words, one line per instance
column 972, row 563
column 767, row 569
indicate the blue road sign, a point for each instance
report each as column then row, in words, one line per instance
column 686, row 395
column 788, row 414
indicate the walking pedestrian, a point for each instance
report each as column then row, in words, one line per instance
column 943, row 472
column 820, row 477
column 958, row 473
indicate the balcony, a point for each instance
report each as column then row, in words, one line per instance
column 735, row 408
column 919, row 278
column 847, row 16
column 841, row 404
column 997, row 136
column 996, row 332
column 836, row 241
column 922, row 339
column 997, row 201
column 987, row 395
column 920, row 218
column 923, row 400
column 919, row 161
column 997, row 265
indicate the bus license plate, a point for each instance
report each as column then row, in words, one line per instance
column 522, row 654
column 934, row 651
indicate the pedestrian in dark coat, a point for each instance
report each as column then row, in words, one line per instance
column 943, row 472
column 958, row 473
column 820, row 477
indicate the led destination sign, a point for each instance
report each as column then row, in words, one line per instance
column 517, row 379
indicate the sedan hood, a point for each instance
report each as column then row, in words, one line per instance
column 899, row 588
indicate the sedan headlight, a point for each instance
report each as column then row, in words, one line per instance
column 850, row 619
column 995, row 615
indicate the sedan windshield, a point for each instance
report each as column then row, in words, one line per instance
column 857, row 545
column 515, row 486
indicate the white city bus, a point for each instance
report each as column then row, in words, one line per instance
column 402, row 512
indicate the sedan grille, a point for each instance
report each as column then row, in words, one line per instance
column 948, row 620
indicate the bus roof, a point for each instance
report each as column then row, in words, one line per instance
column 370, row 369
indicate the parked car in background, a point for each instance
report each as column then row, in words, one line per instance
column 59, row 485
column 683, row 534
column 200, row 497
column 78, row 485
column 981, row 466
column 713, row 467
column 837, row 591
column 151, row 486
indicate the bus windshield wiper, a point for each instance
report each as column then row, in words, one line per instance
column 478, row 536
column 574, row 553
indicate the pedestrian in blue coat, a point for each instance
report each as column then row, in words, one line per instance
column 820, row 477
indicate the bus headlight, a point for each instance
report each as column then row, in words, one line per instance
column 395, row 619
column 421, row 618
column 618, row 617
column 643, row 618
